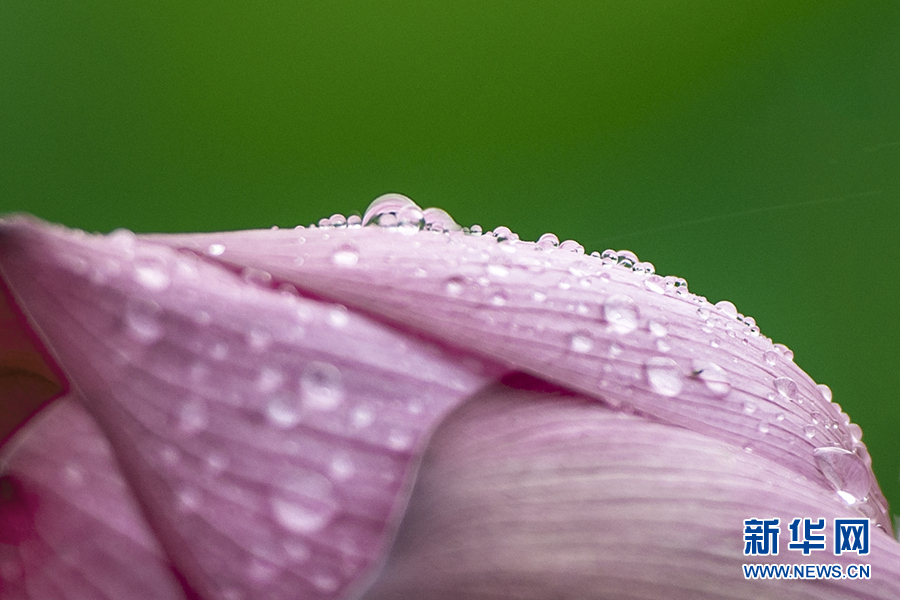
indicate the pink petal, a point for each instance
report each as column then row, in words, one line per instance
column 69, row 526
column 634, row 340
column 269, row 438
column 526, row 494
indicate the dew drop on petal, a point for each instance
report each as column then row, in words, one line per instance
column 714, row 376
column 655, row 283
column 581, row 342
column 845, row 471
column 283, row 409
column 621, row 312
column 657, row 329
column 142, row 322
column 825, row 391
column 321, row 386
column 786, row 387
column 455, row 285
column 809, row 431
column 499, row 299
column 664, row 376
column 305, row 502
column 384, row 209
column 771, row 357
column 497, row 271
column 152, row 275
column 346, row 256
column 785, row 351
column 548, row 241
column 216, row 249
column 727, row 308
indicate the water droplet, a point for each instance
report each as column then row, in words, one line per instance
column 825, row 391
column 548, row 241
column 845, row 471
column 455, row 285
column 397, row 440
column 475, row 230
column 152, row 274
column 784, row 351
column 538, row 296
column 354, row 221
column 338, row 317
column 497, row 271
column 676, row 286
column 703, row 313
column 259, row 340
column 216, row 463
column 321, row 385
column 655, row 283
column 644, row 267
column 504, row 234
column 714, row 376
column 763, row 427
column 296, row 551
column 257, row 277
column 626, row 258
column 73, row 474
column 219, row 351
column 771, row 357
column 499, row 299
column 615, row 351
column 664, row 376
column 346, row 256
column 749, row 407
column 283, row 410
column 581, row 342
column 384, row 209
column 621, row 313
column 662, row 345
column 657, row 329
column 188, row 499
column 362, row 417
column 338, row 220
column 269, row 380
column 855, row 433
column 141, row 319
column 193, row 416
column 609, row 257
column 786, row 387
column 727, row 308
column 306, row 502
column 216, row 249
column 572, row 246
column 342, row 467
column 325, row 583
column 809, row 431
column 439, row 220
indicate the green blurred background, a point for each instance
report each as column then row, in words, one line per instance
column 750, row 147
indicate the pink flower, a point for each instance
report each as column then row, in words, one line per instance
column 246, row 413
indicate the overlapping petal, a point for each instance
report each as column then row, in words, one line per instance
column 267, row 394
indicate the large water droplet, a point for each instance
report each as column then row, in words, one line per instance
column 786, row 387
column 439, row 220
column 845, row 471
column 581, row 342
column 306, row 502
column 142, row 321
column 384, row 210
column 621, row 312
column 714, row 376
column 727, row 308
column 664, row 376
column 322, row 387
column 825, row 391
column 548, row 241
column 346, row 256
column 572, row 246
column 626, row 258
